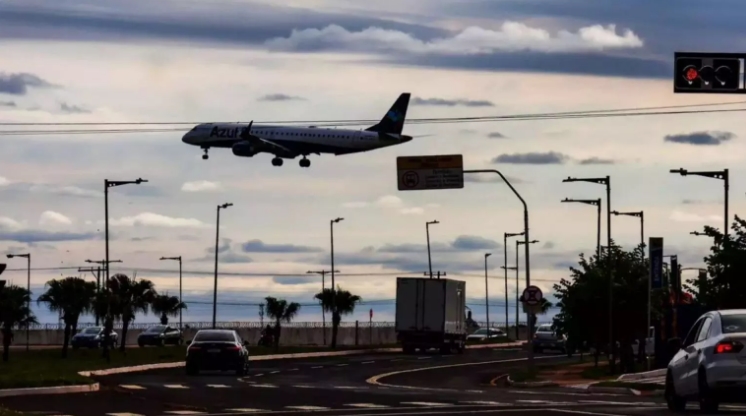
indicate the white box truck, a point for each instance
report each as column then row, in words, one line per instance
column 430, row 313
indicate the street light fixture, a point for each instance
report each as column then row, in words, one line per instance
column 179, row 260
column 110, row 184
column 27, row 256
column 215, row 283
column 486, row 294
column 506, row 268
column 641, row 216
column 718, row 174
column 427, row 232
column 334, row 289
column 597, row 203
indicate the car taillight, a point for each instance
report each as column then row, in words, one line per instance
column 234, row 348
column 725, row 347
column 193, row 348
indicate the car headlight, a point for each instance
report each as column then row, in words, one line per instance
column 97, row 337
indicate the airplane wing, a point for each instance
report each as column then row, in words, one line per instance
column 245, row 135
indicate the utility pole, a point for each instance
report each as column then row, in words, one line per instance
column 719, row 174
column 429, row 258
column 506, row 268
column 215, row 282
column 97, row 274
column 323, row 287
column 110, row 184
column 486, row 294
column 103, row 263
column 334, row 289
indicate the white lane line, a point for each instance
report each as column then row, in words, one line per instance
column 259, row 375
column 304, row 386
column 307, row 407
column 485, row 403
column 552, row 402
column 318, row 366
column 342, row 365
column 266, row 386
column 175, row 386
column 424, row 358
column 184, row 412
column 619, row 403
column 398, row 359
column 367, row 405
column 346, row 387
column 293, row 369
column 367, row 362
column 123, row 414
column 581, row 412
column 219, row 386
column 240, row 410
column 273, row 372
column 427, row 403
column 130, row 387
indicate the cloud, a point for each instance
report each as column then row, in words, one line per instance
column 462, row 243
column 4, row 181
column 389, row 201
column 11, row 104
column 36, row 236
column 226, row 254
column 54, row 218
column 200, row 186
column 412, row 211
column 701, row 138
column 280, row 97
column 149, row 219
column 472, row 242
column 355, row 204
column 18, row 84
column 67, row 190
column 533, row 158
column 294, row 280
column 490, row 178
column 73, row 109
column 548, row 245
column 680, row 216
column 451, row 103
column 512, row 37
column 596, row 161
column 496, row 135
column 9, row 223
column 257, row 246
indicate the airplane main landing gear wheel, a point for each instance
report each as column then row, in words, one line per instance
column 304, row 163
column 277, row 162
column 205, row 156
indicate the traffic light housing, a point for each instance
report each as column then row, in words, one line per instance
column 713, row 73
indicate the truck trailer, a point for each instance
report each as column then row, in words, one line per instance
column 430, row 313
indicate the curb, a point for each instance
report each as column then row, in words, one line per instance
column 643, row 376
column 623, row 391
column 79, row 388
column 530, row 383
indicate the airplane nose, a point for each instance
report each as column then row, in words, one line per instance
column 187, row 138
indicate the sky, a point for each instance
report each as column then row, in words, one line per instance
column 199, row 61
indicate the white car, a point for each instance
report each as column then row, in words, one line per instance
column 710, row 365
column 481, row 334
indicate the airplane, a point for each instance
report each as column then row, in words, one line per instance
column 286, row 142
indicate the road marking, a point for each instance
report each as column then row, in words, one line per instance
column 175, row 386
column 123, row 414
column 367, row 362
column 427, row 403
column 542, row 402
column 318, row 366
column 259, row 375
column 293, row 369
column 244, row 410
column 304, row 386
column 184, row 412
column 486, row 403
column 342, row 365
column 346, row 387
column 398, row 359
column 219, row 386
column 274, row 372
column 367, row 405
column 581, row 412
column 266, row 386
column 131, row 387
column 307, row 407
column 424, row 358
column 618, row 403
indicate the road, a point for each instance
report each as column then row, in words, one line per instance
column 345, row 385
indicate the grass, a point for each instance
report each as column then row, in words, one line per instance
column 7, row 412
column 44, row 368
column 636, row 386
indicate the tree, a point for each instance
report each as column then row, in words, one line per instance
column 14, row 312
column 133, row 297
column 106, row 305
column 345, row 304
column 165, row 306
column 70, row 297
column 544, row 308
column 280, row 310
column 725, row 286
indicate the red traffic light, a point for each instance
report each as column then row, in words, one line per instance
column 691, row 74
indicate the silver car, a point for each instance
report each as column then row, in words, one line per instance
column 545, row 338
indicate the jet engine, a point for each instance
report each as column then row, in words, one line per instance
column 244, row 149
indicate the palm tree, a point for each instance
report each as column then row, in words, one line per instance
column 544, row 307
column 133, row 297
column 345, row 304
column 70, row 297
column 280, row 310
column 165, row 306
column 14, row 311
column 106, row 305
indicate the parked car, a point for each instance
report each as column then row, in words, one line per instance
column 545, row 338
column 217, row 350
column 92, row 337
column 485, row 334
column 160, row 335
column 710, row 364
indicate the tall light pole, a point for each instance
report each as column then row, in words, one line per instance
column 641, row 216
column 597, row 203
column 110, row 184
column 215, row 283
column 323, row 287
column 505, row 267
column 334, row 289
column 27, row 256
column 427, row 232
column 718, row 174
column 179, row 260
column 103, row 263
column 486, row 294
column 607, row 182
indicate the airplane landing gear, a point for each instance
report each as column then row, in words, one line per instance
column 277, row 162
column 205, row 156
column 304, row 163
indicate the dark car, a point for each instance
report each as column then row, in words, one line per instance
column 92, row 337
column 160, row 335
column 217, row 350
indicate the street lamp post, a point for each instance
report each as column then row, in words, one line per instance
column 27, row 256
column 334, row 289
column 486, row 294
column 179, row 259
column 427, row 232
column 597, row 203
column 215, row 283
column 110, row 184
column 505, row 267
column 607, row 182
column 103, row 263
column 323, row 287
column 641, row 216
column 506, row 300
column 718, row 174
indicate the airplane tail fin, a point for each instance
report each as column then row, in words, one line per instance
column 393, row 121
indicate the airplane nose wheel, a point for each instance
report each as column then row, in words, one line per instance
column 304, row 163
column 277, row 162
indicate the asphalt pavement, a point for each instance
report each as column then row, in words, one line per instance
column 360, row 385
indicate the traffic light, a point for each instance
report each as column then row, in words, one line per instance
column 714, row 73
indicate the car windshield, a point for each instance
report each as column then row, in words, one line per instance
column 156, row 329
column 544, row 328
column 94, row 330
column 734, row 323
column 215, row 336
column 480, row 332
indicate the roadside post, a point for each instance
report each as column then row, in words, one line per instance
column 531, row 301
column 655, row 281
column 370, row 327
